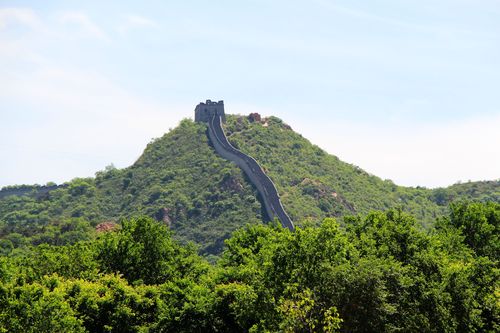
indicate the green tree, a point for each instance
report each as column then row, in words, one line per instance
column 35, row 308
column 480, row 225
column 143, row 250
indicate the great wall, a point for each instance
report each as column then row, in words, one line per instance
column 212, row 113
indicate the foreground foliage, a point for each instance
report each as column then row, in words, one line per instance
column 381, row 273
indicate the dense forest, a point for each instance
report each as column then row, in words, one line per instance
column 182, row 182
column 374, row 273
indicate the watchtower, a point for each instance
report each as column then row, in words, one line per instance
column 204, row 111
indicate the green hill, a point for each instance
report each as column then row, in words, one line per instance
column 180, row 180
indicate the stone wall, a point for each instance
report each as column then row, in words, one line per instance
column 252, row 169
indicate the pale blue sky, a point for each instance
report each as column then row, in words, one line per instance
column 408, row 90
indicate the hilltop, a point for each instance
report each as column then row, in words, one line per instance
column 181, row 181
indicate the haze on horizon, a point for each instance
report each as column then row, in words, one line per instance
column 407, row 90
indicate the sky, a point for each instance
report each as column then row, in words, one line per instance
column 408, row 90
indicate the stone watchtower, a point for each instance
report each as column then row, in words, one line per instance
column 204, row 111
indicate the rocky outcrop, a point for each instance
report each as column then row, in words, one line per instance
column 254, row 117
column 106, row 226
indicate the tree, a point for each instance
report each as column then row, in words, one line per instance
column 480, row 225
column 35, row 308
column 143, row 250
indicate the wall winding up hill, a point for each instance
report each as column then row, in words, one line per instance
column 252, row 169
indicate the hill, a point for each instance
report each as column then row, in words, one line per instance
column 180, row 180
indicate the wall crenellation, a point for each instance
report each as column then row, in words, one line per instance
column 205, row 111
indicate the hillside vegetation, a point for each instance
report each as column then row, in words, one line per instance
column 181, row 181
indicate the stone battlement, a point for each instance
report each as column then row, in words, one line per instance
column 205, row 111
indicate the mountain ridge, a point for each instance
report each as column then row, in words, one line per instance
column 180, row 180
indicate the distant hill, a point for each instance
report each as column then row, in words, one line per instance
column 180, row 180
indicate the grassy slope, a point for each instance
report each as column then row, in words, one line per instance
column 315, row 184
column 180, row 179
